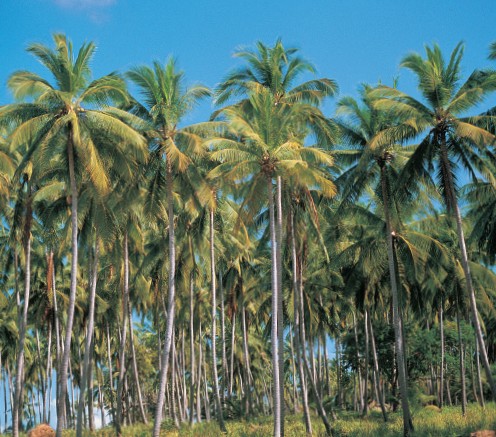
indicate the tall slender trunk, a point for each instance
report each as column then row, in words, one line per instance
column 441, row 370
column 191, row 348
column 213, row 288
column 111, row 372
column 169, row 332
column 48, row 375
column 376, row 367
column 64, row 364
column 400, row 357
column 231, row 364
column 87, row 346
column 366, row 375
column 280, row 314
column 362, row 409
column 223, row 339
column 479, row 379
column 19, row 378
column 246, row 356
column 135, row 365
column 320, row 408
column 462, row 361
column 122, row 349
column 297, row 330
column 43, row 382
column 199, row 378
column 454, row 208
column 276, row 393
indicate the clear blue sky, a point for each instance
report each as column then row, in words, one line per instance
column 351, row 41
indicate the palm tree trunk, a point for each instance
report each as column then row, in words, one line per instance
column 441, row 370
column 451, row 194
column 111, row 372
column 231, row 364
column 223, row 339
column 218, row 405
column 191, row 348
column 89, row 337
column 275, row 314
column 362, row 408
column 376, row 367
column 64, row 364
column 122, row 350
column 199, row 378
column 479, row 379
column 366, row 374
column 400, row 357
column 43, row 382
column 17, row 406
column 169, row 332
column 320, row 407
column 280, row 314
column 462, row 362
column 246, row 356
column 297, row 330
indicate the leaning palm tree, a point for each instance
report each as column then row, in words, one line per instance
column 67, row 124
column 165, row 103
column 448, row 136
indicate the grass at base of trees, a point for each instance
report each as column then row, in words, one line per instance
column 428, row 423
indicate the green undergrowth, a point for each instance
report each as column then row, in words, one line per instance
column 428, row 421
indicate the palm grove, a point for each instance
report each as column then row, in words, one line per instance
column 153, row 270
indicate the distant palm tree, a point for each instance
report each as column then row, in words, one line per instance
column 448, row 135
column 68, row 124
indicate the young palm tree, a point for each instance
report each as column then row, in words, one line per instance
column 165, row 103
column 449, row 135
column 68, row 123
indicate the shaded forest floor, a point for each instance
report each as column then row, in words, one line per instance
column 428, row 423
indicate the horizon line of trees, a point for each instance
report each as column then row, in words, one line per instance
column 152, row 269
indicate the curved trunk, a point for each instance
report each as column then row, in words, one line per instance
column 19, row 378
column 87, row 346
column 297, row 335
column 400, row 356
column 453, row 206
column 170, row 306
column 275, row 313
column 122, row 351
column 213, row 287
column 64, row 364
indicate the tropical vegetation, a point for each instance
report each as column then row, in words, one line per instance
column 321, row 273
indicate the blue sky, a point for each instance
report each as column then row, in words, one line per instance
column 351, row 41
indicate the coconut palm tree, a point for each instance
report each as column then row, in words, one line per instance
column 67, row 122
column 166, row 101
column 446, row 135
column 371, row 166
column 265, row 142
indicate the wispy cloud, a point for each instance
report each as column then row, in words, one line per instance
column 95, row 9
column 85, row 4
